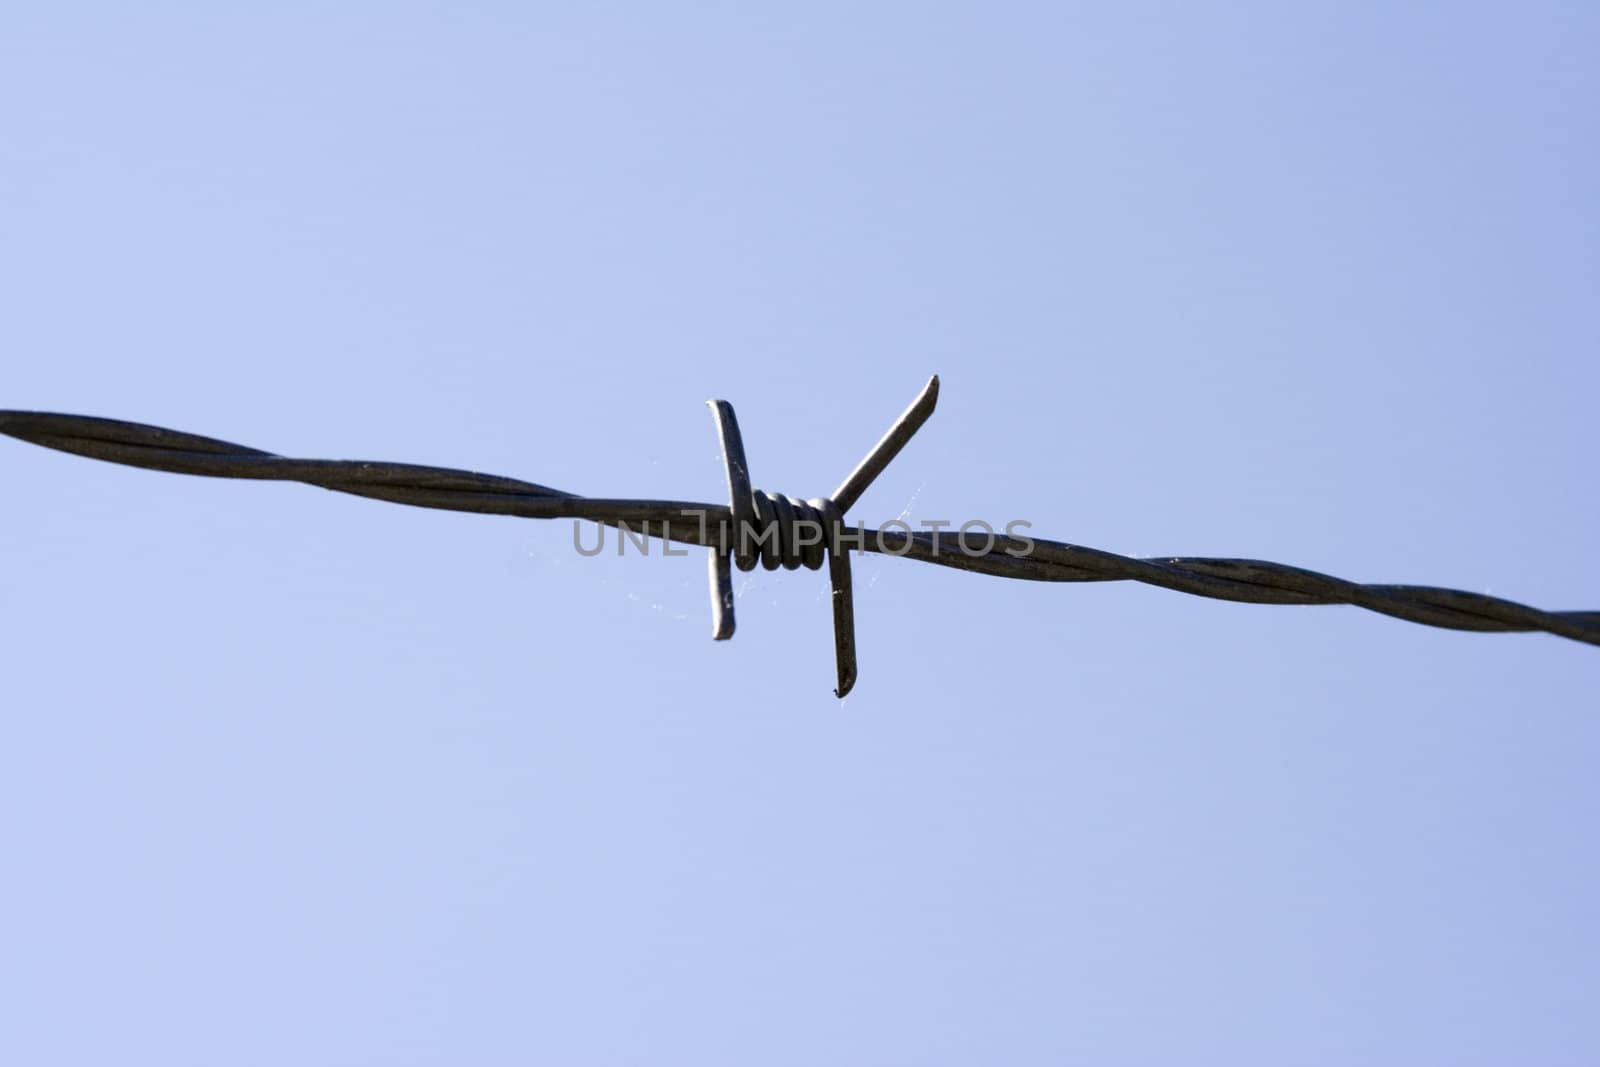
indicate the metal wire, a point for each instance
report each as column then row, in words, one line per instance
column 768, row 528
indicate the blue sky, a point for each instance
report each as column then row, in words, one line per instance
column 292, row 776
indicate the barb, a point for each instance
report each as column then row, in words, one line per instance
column 772, row 529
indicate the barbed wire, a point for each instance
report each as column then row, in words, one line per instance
column 776, row 530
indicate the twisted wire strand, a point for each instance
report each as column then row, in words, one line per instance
column 718, row 526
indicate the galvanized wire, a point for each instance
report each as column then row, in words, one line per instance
column 1032, row 559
